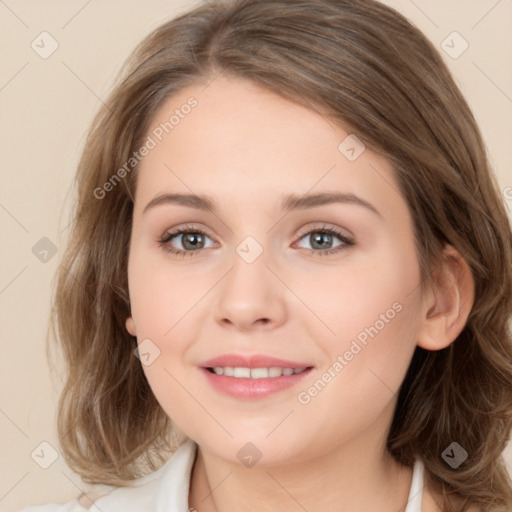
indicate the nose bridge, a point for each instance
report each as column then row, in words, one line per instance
column 250, row 292
column 249, row 275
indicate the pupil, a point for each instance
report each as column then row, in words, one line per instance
column 317, row 239
column 193, row 239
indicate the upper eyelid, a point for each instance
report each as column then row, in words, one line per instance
column 327, row 227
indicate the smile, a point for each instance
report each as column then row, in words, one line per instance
column 253, row 383
column 254, row 373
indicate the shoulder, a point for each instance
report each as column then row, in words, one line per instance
column 70, row 506
column 145, row 494
column 83, row 503
column 137, row 496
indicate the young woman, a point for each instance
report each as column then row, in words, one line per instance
column 290, row 274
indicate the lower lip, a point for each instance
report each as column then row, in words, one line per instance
column 252, row 388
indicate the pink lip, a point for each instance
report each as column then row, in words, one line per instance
column 252, row 388
column 247, row 388
column 254, row 361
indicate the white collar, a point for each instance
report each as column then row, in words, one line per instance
column 416, row 492
column 167, row 489
column 164, row 490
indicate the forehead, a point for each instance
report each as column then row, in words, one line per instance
column 243, row 143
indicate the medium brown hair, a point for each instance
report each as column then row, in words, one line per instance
column 363, row 65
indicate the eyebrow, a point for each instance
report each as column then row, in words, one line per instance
column 289, row 202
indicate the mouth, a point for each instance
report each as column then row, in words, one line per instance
column 241, row 372
column 253, row 377
column 242, row 362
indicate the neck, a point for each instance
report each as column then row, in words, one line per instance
column 356, row 475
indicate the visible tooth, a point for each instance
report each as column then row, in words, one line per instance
column 259, row 373
column 275, row 372
column 256, row 373
column 242, row 372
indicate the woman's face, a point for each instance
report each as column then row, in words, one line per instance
column 258, row 276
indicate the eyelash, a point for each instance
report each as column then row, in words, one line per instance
column 167, row 237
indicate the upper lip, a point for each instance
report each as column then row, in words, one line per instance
column 251, row 361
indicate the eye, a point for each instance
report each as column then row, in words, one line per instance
column 191, row 239
column 322, row 239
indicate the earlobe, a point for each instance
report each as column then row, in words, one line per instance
column 449, row 302
column 130, row 326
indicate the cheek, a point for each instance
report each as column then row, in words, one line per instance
column 372, row 310
column 161, row 294
column 159, row 304
column 375, row 320
column 165, row 304
column 371, row 290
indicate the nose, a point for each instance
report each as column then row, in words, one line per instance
column 251, row 297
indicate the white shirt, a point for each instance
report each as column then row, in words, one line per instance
column 166, row 490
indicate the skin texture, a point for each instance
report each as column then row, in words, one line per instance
column 246, row 148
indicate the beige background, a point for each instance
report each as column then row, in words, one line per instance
column 46, row 106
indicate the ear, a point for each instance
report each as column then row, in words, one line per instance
column 130, row 326
column 448, row 304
